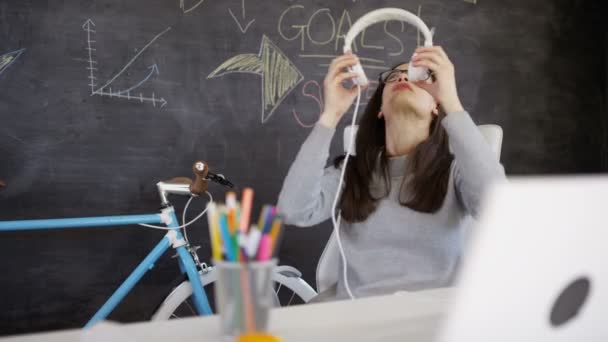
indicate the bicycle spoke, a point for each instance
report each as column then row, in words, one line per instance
column 293, row 294
column 191, row 309
column 278, row 288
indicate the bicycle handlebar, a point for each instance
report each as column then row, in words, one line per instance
column 186, row 186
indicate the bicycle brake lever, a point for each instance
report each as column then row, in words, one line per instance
column 220, row 179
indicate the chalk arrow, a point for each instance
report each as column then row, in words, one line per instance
column 87, row 25
column 279, row 75
column 246, row 27
column 9, row 58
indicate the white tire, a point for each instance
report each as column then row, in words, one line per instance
column 283, row 276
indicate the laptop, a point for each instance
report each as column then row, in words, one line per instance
column 537, row 265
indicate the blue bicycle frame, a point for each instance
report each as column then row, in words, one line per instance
column 173, row 238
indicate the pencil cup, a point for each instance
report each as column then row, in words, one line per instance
column 244, row 296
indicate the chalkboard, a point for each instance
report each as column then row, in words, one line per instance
column 99, row 100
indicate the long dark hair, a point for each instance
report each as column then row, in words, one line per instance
column 426, row 175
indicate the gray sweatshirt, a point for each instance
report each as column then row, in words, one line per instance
column 395, row 248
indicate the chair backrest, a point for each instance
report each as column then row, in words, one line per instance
column 329, row 263
column 492, row 134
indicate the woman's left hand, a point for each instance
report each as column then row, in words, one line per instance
column 443, row 89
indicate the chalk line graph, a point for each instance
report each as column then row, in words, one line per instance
column 189, row 8
column 128, row 93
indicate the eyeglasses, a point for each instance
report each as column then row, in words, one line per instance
column 393, row 75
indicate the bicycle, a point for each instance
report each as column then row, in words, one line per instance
column 198, row 274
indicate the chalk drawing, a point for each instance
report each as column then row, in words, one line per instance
column 186, row 8
column 89, row 28
column 279, row 75
column 241, row 27
column 8, row 59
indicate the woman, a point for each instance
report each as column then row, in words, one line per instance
column 405, row 193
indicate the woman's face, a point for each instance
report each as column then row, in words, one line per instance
column 401, row 96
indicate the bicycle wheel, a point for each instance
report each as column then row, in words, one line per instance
column 289, row 288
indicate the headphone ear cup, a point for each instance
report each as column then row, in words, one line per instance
column 361, row 78
column 415, row 74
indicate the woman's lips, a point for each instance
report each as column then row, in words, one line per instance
column 402, row 86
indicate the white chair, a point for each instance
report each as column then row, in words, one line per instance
column 329, row 263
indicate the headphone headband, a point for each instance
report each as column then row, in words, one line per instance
column 384, row 14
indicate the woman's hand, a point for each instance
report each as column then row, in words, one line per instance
column 443, row 89
column 338, row 98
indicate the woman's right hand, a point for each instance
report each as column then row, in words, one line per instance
column 338, row 98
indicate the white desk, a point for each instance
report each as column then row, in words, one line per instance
column 400, row 317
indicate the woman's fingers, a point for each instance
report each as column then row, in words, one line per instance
column 345, row 76
column 341, row 58
column 339, row 64
column 432, row 56
column 442, row 52
column 428, row 64
column 433, row 49
column 340, row 67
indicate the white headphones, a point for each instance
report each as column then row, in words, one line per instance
column 384, row 14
